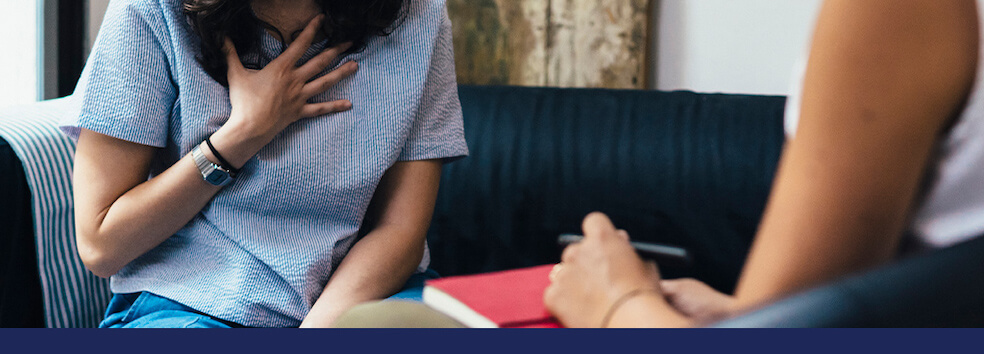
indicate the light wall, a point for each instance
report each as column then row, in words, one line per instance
column 737, row 46
column 19, row 63
column 96, row 10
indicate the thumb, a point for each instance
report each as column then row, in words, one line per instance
column 232, row 56
column 598, row 225
column 624, row 235
column 670, row 287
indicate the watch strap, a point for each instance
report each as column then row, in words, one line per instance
column 211, row 173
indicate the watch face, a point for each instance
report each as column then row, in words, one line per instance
column 217, row 177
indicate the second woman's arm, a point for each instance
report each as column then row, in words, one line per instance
column 883, row 80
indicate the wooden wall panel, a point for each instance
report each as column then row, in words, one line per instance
column 564, row 43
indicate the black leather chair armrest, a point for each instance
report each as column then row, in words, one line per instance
column 944, row 288
column 20, row 284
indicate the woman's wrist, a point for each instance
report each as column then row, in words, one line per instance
column 644, row 308
column 237, row 143
column 320, row 317
column 620, row 299
column 325, row 311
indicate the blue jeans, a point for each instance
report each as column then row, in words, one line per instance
column 147, row 310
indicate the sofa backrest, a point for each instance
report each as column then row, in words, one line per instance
column 679, row 168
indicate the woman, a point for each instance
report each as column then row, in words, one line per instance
column 293, row 150
column 888, row 141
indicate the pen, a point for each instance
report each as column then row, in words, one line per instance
column 663, row 255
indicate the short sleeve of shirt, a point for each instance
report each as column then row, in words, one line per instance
column 437, row 131
column 126, row 90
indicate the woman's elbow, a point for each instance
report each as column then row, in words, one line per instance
column 96, row 259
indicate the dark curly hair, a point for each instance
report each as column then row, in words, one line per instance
column 353, row 21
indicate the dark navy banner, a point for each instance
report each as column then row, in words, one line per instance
column 468, row 341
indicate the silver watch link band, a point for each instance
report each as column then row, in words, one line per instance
column 211, row 172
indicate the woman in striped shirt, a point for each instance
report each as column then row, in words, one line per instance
column 262, row 163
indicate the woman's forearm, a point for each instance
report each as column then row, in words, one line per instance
column 380, row 263
column 375, row 268
column 114, row 231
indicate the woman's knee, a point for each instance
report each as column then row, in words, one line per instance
column 394, row 314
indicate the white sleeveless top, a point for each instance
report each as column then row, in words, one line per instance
column 952, row 208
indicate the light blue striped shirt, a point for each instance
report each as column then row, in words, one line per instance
column 262, row 250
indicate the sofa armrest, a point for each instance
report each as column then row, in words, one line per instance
column 940, row 289
column 72, row 296
column 20, row 286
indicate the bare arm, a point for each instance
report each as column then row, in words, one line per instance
column 120, row 215
column 884, row 78
column 380, row 263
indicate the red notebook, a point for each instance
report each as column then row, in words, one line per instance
column 507, row 299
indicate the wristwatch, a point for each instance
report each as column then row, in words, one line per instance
column 211, row 172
